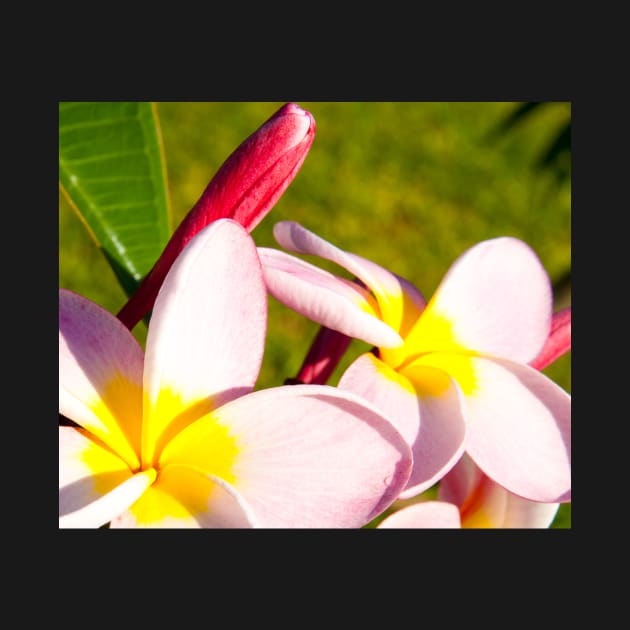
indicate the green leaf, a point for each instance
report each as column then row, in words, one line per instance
column 113, row 174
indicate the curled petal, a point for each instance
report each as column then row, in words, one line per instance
column 245, row 188
column 329, row 300
column 424, row 515
column 207, row 334
column 300, row 455
column 424, row 404
column 399, row 301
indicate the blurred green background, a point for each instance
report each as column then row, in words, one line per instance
column 409, row 185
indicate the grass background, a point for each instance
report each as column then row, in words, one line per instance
column 409, row 185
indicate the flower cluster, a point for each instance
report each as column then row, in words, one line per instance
column 450, row 397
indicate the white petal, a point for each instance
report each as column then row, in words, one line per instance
column 207, row 332
column 300, row 456
column 495, row 299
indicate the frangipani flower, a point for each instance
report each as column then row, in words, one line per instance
column 452, row 375
column 469, row 499
column 245, row 188
column 176, row 436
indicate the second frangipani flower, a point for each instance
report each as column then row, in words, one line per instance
column 452, row 375
column 175, row 437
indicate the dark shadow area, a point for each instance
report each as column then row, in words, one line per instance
column 66, row 422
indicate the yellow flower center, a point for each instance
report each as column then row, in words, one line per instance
column 432, row 342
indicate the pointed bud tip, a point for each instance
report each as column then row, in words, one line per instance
column 293, row 109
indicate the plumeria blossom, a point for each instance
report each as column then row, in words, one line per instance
column 245, row 188
column 451, row 374
column 469, row 499
column 177, row 437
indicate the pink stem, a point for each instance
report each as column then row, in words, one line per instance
column 323, row 356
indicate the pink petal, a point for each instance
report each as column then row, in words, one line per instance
column 399, row 301
column 245, row 188
column 334, row 302
column 207, row 333
column 558, row 342
column 306, row 455
column 100, row 374
column 495, row 299
column 424, row 515
column 94, row 484
column 433, row 425
column 520, row 430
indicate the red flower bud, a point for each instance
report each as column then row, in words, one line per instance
column 245, row 188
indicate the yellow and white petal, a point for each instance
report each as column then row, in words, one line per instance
column 184, row 497
column 95, row 484
column 329, row 300
column 207, row 332
column 400, row 302
column 100, row 374
column 300, row 455
column 424, row 405
column 495, row 299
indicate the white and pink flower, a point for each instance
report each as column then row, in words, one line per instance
column 177, row 437
column 451, row 374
